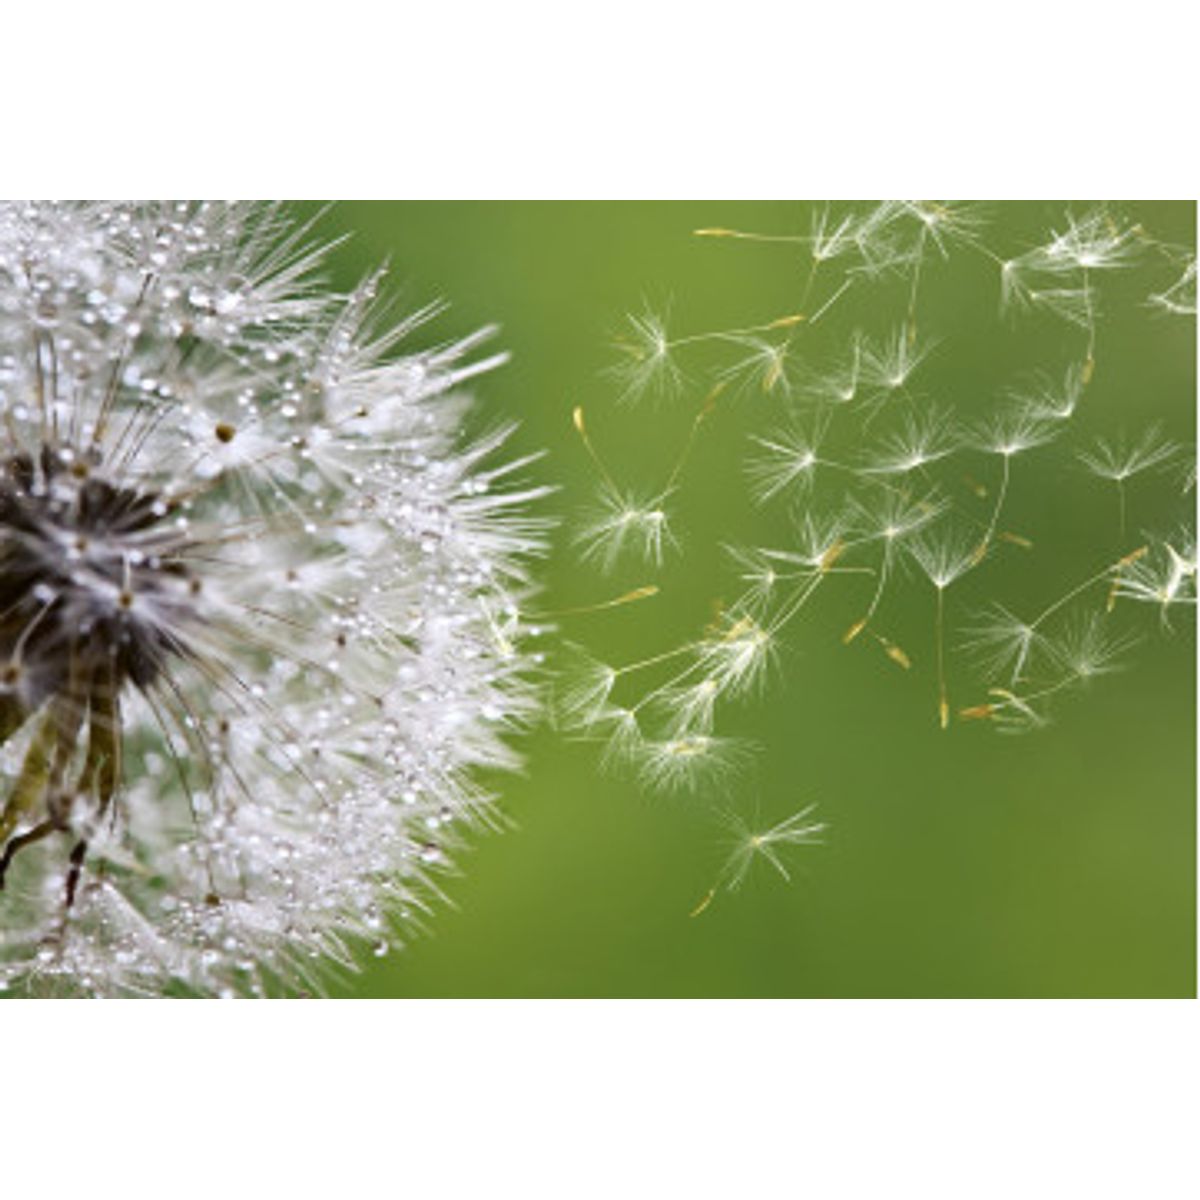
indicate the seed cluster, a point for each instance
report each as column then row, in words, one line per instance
column 888, row 481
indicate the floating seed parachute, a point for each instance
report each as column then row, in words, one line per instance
column 258, row 604
column 891, row 477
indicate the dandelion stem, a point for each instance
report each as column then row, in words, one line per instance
column 798, row 601
column 642, row 593
column 1091, row 581
column 1001, row 492
column 34, row 775
column 830, row 302
column 943, row 703
column 685, row 453
column 653, row 660
column 911, row 324
column 581, row 428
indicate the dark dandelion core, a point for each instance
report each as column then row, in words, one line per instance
column 92, row 598
column 87, row 586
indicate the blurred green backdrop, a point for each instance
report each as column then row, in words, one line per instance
column 957, row 864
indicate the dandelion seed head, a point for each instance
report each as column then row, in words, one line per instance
column 259, row 604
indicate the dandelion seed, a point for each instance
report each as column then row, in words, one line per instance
column 923, row 438
column 1165, row 575
column 584, row 690
column 1119, row 461
column 1013, row 432
column 841, row 383
column 750, row 844
column 647, row 365
column 789, row 463
column 765, row 365
column 1089, row 647
column 1076, row 306
column 1012, row 713
column 890, row 365
column 738, row 654
column 1049, row 400
column 891, row 518
column 830, row 240
column 691, row 708
column 760, row 575
column 622, row 525
column 945, row 222
column 944, row 556
column 1093, row 242
column 1180, row 297
column 1008, row 434
column 1002, row 643
column 686, row 763
column 623, row 738
column 257, row 617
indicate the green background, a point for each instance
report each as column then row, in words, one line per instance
column 957, row 864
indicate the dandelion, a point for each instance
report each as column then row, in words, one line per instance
column 840, row 384
column 923, row 438
column 1094, row 242
column 647, row 365
column 259, row 605
column 585, row 687
column 690, row 708
column 832, row 239
column 738, row 654
column 1164, row 576
column 1119, row 461
column 1180, row 297
column 758, row 572
column 890, row 365
column 766, row 365
column 789, row 462
column 871, row 508
column 1005, row 643
column 1006, row 435
column 945, row 222
column 889, row 520
column 944, row 555
column 1047, row 399
column 1089, row 647
column 749, row 843
column 622, row 524
column 687, row 762
column 621, row 731
column 1002, row 642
